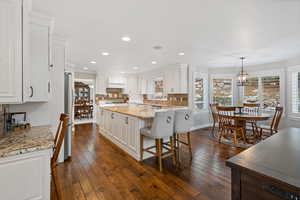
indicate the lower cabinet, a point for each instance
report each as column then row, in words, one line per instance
column 26, row 176
column 123, row 130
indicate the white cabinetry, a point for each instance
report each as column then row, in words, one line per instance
column 11, row 50
column 123, row 130
column 142, row 85
column 26, row 176
column 132, row 85
column 101, row 84
column 40, row 31
column 176, row 80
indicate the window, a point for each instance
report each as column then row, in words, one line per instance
column 200, row 94
column 295, row 83
column 251, row 94
column 263, row 89
column 222, row 91
column 270, row 92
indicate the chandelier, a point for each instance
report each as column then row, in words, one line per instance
column 242, row 76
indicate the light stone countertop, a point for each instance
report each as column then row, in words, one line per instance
column 142, row 112
column 26, row 141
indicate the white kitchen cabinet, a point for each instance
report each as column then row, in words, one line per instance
column 26, row 176
column 124, row 131
column 101, row 84
column 40, row 59
column 150, row 86
column 12, row 45
column 132, row 85
column 176, row 80
column 142, row 85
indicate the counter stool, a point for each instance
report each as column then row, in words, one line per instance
column 183, row 125
column 162, row 127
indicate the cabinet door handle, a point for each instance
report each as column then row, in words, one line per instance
column 126, row 120
column 112, row 115
column 31, row 88
column 49, row 87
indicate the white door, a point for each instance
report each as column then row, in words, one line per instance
column 11, row 51
column 39, row 68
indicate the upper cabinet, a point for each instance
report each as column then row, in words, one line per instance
column 40, row 57
column 101, row 84
column 176, row 79
column 24, row 53
column 11, row 50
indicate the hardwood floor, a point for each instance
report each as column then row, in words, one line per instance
column 100, row 170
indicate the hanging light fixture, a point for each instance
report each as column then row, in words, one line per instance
column 242, row 76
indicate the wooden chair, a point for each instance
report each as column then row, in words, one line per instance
column 214, row 114
column 251, row 108
column 227, row 126
column 59, row 137
column 273, row 128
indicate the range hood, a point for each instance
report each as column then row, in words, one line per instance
column 116, row 82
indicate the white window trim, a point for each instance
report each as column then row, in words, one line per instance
column 204, row 76
column 260, row 74
column 234, row 88
column 291, row 70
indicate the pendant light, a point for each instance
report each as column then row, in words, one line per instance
column 242, row 76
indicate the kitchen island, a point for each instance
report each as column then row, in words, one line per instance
column 122, row 124
column 25, row 164
column 269, row 169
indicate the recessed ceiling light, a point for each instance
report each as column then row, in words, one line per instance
column 181, row 54
column 85, row 68
column 105, row 54
column 122, row 72
column 135, row 68
column 126, row 39
column 93, row 62
column 154, row 62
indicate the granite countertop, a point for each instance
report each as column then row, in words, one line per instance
column 26, row 141
column 143, row 112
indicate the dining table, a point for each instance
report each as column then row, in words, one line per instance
column 241, row 118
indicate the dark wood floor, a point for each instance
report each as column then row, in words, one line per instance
column 100, row 170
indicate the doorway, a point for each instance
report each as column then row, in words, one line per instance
column 84, row 102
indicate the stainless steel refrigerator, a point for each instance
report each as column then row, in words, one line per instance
column 69, row 101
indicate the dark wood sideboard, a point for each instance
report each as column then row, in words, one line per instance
column 269, row 170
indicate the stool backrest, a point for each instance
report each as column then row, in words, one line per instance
column 163, row 124
column 183, row 120
column 59, row 137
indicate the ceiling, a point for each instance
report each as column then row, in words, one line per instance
column 211, row 33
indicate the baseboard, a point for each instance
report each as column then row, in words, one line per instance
column 202, row 126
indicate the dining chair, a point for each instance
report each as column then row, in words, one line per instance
column 251, row 108
column 214, row 114
column 183, row 126
column 58, row 140
column 228, row 126
column 162, row 128
column 265, row 130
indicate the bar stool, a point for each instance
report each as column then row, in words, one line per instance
column 183, row 125
column 162, row 128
